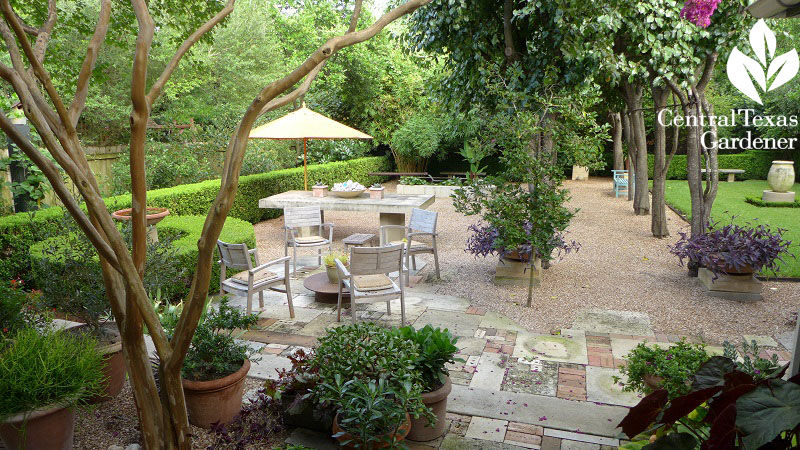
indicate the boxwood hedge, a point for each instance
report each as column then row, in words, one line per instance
column 188, row 228
column 755, row 163
column 19, row 231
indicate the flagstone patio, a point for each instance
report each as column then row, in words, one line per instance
column 517, row 388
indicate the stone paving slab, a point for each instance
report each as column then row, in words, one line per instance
column 600, row 420
column 787, row 340
column 282, row 313
column 581, row 437
column 487, row 429
column 621, row 347
column 455, row 442
column 498, row 321
column 762, row 341
column 267, row 368
column 569, row 348
column 619, row 322
column 311, row 439
column 470, row 345
column 537, row 377
column 435, row 301
column 459, row 324
column 601, row 388
column 318, row 327
column 490, row 372
column 575, row 445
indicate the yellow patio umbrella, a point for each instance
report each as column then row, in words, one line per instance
column 306, row 124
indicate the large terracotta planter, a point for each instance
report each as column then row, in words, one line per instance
column 436, row 400
column 213, row 401
column 49, row 428
column 781, row 176
column 401, row 434
column 113, row 372
column 652, row 382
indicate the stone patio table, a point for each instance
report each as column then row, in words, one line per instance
column 392, row 208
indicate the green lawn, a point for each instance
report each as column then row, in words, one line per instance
column 730, row 198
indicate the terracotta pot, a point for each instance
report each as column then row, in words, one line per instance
column 401, row 434
column 652, row 382
column 309, row 415
column 436, row 400
column 215, row 400
column 113, row 372
column 153, row 216
column 49, row 428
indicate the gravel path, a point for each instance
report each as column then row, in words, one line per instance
column 620, row 267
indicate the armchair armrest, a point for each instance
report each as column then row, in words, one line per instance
column 343, row 272
column 284, row 260
column 421, row 233
column 330, row 230
column 254, row 251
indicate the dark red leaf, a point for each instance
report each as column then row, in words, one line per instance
column 641, row 416
column 723, row 430
column 685, row 404
column 737, row 378
column 726, row 399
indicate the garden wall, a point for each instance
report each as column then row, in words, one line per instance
column 19, row 231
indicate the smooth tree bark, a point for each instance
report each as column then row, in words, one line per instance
column 162, row 419
column 661, row 162
column 616, row 139
column 632, row 93
column 698, row 156
column 627, row 138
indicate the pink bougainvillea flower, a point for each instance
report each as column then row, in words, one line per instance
column 699, row 12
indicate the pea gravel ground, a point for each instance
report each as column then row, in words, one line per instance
column 620, row 266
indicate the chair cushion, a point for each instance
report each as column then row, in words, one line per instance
column 376, row 282
column 264, row 275
column 309, row 239
column 414, row 244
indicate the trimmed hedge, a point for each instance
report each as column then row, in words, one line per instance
column 19, row 231
column 755, row 163
column 188, row 228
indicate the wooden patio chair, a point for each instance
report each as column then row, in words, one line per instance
column 251, row 279
column 368, row 279
column 421, row 223
column 305, row 216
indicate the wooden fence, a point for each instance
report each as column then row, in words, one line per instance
column 100, row 161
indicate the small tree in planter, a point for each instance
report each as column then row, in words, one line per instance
column 733, row 249
column 43, row 377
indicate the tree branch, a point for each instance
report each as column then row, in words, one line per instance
column 38, row 68
column 43, row 36
column 92, row 50
column 708, row 71
column 158, row 86
column 54, row 176
column 508, row 33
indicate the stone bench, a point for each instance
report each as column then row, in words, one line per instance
column 730, row 172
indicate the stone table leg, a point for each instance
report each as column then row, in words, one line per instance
column 731, row 177
column 393, row 234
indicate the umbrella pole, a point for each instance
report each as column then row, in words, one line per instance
column 305, row 167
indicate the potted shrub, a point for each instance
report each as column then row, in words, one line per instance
column 733, row 249
column 436, row 350
column 650, row 367
column 20, row 309
column 367, row 352
column 216, row 365
column 330, row 265
column 372, row 414
column 43, row 377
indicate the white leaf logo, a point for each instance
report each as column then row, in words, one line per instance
column 742, row 69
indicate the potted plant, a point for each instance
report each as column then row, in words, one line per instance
column 733, row 249
column 330, row 265
column 436, row 350
column 376, row 191
column 319, row 190
column 650, row 367
column 372, row 414
column 216, row 365
column 367, row 352
column 43, row 377
column 20, row 309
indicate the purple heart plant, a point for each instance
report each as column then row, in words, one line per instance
column 734, row 248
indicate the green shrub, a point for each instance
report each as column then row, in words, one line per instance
column 755, row 163
column 42, row 369
column 18, row 232
column 675, row 365
column 50, row 261
column 755, row 201
column 415, row 142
